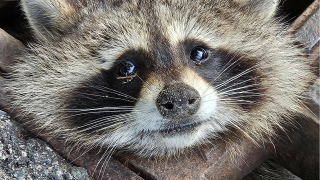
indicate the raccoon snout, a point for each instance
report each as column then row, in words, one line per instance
column 178, row 101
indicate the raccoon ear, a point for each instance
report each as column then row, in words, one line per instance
column 48, row 17
column 263, row 8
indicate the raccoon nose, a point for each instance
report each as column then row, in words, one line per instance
column 178, row 101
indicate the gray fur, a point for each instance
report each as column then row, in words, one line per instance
column 76, row 41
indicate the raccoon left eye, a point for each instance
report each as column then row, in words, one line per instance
column 127, row 68
column 198, row 54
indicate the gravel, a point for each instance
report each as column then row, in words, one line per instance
column 23, row 157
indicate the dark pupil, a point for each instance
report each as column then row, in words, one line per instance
column 127, row 69
column 198, row 54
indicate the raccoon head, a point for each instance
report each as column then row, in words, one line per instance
column 157, row 77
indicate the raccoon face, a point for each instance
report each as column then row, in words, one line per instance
column 156, row 77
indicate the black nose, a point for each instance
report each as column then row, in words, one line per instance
column 178, row 101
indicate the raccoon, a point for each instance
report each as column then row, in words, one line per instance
column 156, row 78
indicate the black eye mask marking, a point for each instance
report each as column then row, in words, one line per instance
column 105, row 95
column 240, row 79
column 233, row 75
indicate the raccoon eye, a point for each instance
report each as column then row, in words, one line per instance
column 127, row 68
column 198, row 54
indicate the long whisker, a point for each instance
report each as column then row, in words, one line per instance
column 247, row 71
column 105, row 96
column 106, row 89
column 105, row 163
column 224, row 69
column 99, row 109
column 100, row 124
column 109, row 110
column 237, row 92
column 105, row 154
column 236, row 84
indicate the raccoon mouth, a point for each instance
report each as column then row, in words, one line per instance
column 180, row 129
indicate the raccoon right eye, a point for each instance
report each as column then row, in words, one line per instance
column 127, row 68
